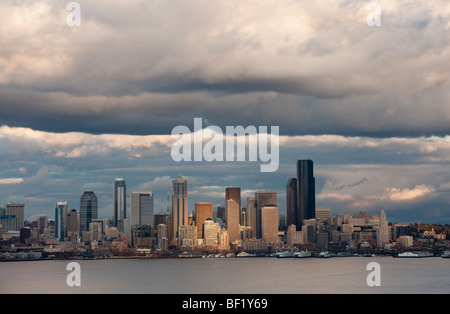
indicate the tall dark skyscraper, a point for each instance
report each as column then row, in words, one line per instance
column 120, row 201
column 88, row 209
column 234, row 193
column 291, row 203
column 306, row 191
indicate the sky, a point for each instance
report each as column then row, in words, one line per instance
column 83, row 105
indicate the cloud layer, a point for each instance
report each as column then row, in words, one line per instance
column 143, row 67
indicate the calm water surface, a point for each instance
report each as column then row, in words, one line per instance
column 229, row 275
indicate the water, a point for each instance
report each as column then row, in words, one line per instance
column 229, row 276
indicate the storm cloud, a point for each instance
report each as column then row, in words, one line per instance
column 370, row 105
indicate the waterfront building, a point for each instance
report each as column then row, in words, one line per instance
column 187, row 235
column 211, row 232
column 294, row 237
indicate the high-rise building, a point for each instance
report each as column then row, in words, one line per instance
column 263, row 198
column 383, row 231
column 251, row 213
column 269, row 223
column 88, row 210
column 179, row 206
column 61, row 212
column 120, row 201
column 42, row 224
column 72, row 224
column 291, row 204
column 211, row 232
column 17, row 210
column 306, row 197
column 203, row 211
column 234, row 193
column 142, row 209
column 233, row 219
column 221, row 213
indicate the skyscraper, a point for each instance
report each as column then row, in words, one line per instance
column 306, row 191
column 88, row 209
column 61, row 212
column 291, row 204
column 72, row 224
column 234, row 193
column 142, row 208
column 263, row 198
column 179, row 205
column 17, row 210
column 203, row 211
column 251, row 213
column 120, row 200
column 269, row 223
column 233, row 219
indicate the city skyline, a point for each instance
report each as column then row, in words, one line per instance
column 368, row 104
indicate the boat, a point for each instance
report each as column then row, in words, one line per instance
column 324, row 254
column 245, row 254
column 230, row 255
column 284, row 254
column 303, row 254
column 446, row 254
column 414, row 254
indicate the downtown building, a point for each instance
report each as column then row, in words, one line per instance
column 301, row 195
column 88, row 210
column 120, row 201
column 142, row 209
column 179, row 207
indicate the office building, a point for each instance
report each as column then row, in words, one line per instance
column 383, row 230
column 323, row 214
column 142, row 209
column 291, row 204
column 306, row 191
column 72, row 224
column 179, row 206
column 88, row 210
column 233, row 219
column 211, row 232
column 187, row 235
column 251, row 213
column 203, row 211
column 61, row 213
column 263, row 198
column 234, row 193
column 120, row 201
column 17, row 210
column 269, row 223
